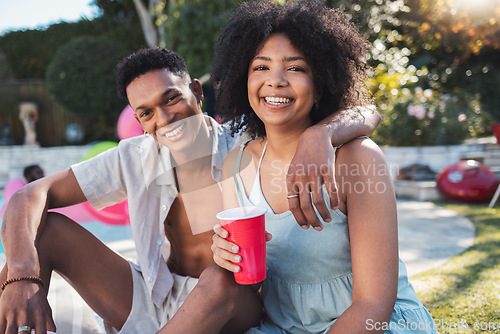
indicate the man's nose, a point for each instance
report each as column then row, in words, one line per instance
column 164, row 117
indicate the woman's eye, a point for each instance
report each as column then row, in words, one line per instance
column 260, row 68
column 296, row 69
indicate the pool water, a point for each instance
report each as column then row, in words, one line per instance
column 105, row 232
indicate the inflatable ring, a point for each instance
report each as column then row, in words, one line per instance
column 78, row 213
column 127, row 125
column 10, row 188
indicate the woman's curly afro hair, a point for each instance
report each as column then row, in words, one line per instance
column 332, row 45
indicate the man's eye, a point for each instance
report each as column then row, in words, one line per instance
column 172, row 98
column 145, row 113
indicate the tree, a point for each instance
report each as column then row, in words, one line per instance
column 432, row 56
column 5, row 70
column 29, row 52
column 81, row 77
column 148, row 17
column 458, row 42
column 189, row 27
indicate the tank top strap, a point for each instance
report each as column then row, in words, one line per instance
column 238, row 182
column 260, row 160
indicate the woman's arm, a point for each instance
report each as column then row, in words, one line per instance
column 315, row 149
column 371, row 206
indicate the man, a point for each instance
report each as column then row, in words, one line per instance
column 33, row 172
column 163, row 185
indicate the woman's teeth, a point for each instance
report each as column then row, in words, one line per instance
column 277, row 100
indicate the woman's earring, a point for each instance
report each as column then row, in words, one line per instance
column 146, row 134
column 316, row 105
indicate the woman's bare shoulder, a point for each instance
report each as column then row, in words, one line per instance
column 252, row 150
column 360, row 150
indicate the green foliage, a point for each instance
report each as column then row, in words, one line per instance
column 118, row 20
column 29, row 52
column 459, row 44
column 81, row 77
column 192, row 28
column 5, row 70
column 416, row 117
column 440, row 47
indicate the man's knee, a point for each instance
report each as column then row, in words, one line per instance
column 219, row 282
column 217, row 277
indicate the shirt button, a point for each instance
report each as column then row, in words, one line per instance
column 150, row 279
column 164, row 207
column 159, row 242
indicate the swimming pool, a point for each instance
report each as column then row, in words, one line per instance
column 106, row 233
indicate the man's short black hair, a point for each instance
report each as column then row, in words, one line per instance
column 144, row 61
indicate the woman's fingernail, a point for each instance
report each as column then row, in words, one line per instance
column 235, row 248
column 327, row 220
column 224, row 234
column 237, row 258
column 237, row 269
column 318, row 228
column 305, row 227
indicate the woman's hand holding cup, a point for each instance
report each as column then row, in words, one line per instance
column 225, row 251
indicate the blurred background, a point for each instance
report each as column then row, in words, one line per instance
column 435, row 64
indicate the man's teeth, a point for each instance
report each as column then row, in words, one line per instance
column 277, row 100
column 175, row 131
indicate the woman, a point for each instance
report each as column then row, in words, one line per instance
column 296, row 63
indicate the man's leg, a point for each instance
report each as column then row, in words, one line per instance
column 217, row 305
column 98, row 274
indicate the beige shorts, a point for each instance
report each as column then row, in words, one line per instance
column 145, row 317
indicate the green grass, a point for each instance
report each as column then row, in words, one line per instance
column 463, row 295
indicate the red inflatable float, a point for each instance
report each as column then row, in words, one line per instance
column 467, row 181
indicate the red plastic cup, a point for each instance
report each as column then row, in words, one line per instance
column 246, row 228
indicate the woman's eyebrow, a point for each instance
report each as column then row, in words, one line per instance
column 286, row 59
column 294, row 58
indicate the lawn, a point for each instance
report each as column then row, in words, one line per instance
column 463, row 294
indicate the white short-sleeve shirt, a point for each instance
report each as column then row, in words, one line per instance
column 140, row 170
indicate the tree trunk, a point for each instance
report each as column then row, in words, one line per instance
column 147, row 23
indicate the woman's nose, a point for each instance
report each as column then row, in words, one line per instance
column 277, row 78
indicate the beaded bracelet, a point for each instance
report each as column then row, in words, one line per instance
column 35, row 279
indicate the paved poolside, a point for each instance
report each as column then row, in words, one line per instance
column 428, row 237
